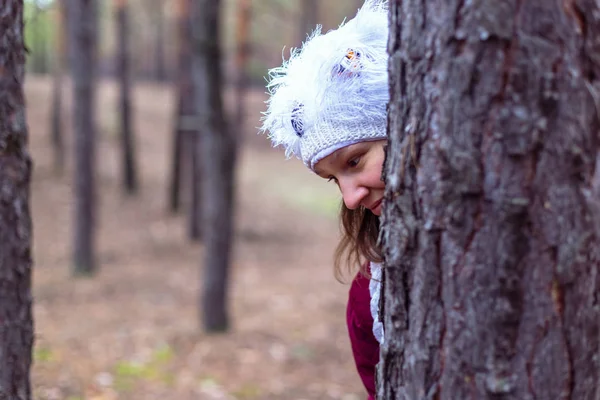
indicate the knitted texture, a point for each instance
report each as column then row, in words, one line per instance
column 333, row 92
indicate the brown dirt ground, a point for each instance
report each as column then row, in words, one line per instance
column 132, row 331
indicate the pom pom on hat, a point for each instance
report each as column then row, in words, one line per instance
column 333, row 92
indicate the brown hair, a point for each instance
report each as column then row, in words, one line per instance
column 360, row 230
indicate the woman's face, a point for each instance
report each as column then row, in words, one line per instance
column 357, row 171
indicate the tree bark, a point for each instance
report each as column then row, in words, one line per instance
column 244, row 21
column 16, row 319
column 56, row 122
column 160, row 73
column 218, row 163
column 184, row 136
column 83, row 43
column 492, row 285
column 130, row 180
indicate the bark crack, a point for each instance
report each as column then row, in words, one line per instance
column 440, row 295
column 457, row 15
column 558, row 296
column 572, row 9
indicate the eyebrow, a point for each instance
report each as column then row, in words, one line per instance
column 337, row 155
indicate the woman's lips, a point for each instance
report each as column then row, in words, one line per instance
column 376, row 206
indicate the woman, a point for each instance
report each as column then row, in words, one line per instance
column 328, row 107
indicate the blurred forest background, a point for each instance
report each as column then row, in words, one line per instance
column 122, row 314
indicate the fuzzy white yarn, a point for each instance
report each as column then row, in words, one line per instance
column 375, row 291
column 333, row 92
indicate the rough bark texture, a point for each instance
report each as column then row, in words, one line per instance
column 130, row 181
column 83, row 42
column 16, row 320
column 56, row 122
column 492, row 285
column 195, row 209
column 218, row 162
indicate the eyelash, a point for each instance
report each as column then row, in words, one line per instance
column 354, row 162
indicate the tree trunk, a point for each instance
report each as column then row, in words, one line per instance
column 83, row 37
column 490, row 224
column 244, row 21
column 183, row 133
column 218, row 162
column 160, row 73
column 57, row 103
column 16, row 319
column 195, row 213
column 308, row 18
column 130, row 181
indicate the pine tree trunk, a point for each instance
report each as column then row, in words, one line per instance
column 184, row 136
column 244, row 21
column 130, row 181
column 83, row 38
column 57, row 84
column 16, row 319
column 308, row 18
column 195, row 209
column 492, row 285
column 187, row 125
column 219, row 155
column 176, row 164
column 160, row 73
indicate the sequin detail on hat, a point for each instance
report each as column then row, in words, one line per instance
column 297, row 119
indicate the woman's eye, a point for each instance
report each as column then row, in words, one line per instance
column 354, row 162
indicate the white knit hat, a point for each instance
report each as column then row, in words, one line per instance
column 333, row 92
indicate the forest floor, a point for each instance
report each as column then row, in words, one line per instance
column 132, row 331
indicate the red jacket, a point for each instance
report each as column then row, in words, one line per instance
column 365, row 347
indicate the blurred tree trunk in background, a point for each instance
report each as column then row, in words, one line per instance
column 16, row 319
column 82, row 16
column 244, row 21
column 184, row 127
column 309, row 14
column 490, row 228
column 218, row 164
column 195, row 208
column 130, row 180
column 56, row 122
column 157, row 17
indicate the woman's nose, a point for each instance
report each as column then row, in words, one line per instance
column 352, row 193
